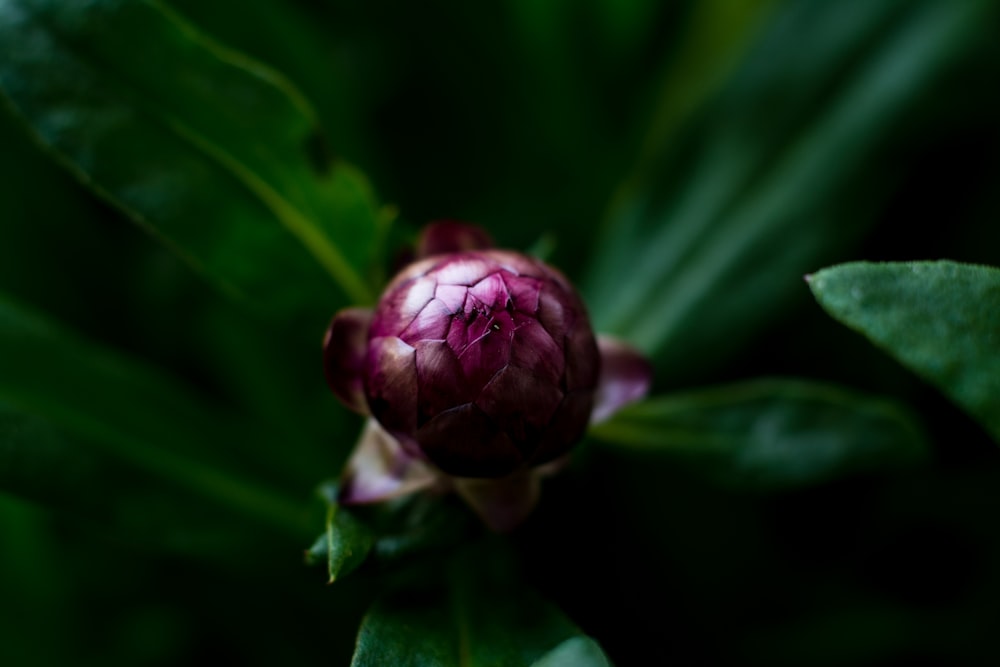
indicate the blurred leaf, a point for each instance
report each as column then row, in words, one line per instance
column 128, row 414
column 771, row 433
column 940, row 319
column 482, row 617
column 126, row 497
column 215, row 154
column 574, row 651
column 776, row 172
column 34, row 587
column 716, row 33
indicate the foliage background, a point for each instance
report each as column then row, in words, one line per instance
column 701, row 157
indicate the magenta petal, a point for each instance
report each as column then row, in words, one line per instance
column 465, row 442
column 534, row 350
column 391, row 384
column 448, row 236
column 400, row 308
column 466, row 269
column 430, row 323
column 484, row 346
column 624, row 378
column 524, row 291
column 492, row 292
column 503, row 504
column 344, row 351
column 567, row 427
column 379, row 469
column 583, row 359
column 552, row 315
column 441, row 384
column 519, row 402
column 452, row 296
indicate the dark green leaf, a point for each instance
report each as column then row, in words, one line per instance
column 715, row 35
column 213, row 153
column 317, row 54
column 121, row 496
column 940, row 319
column 777, row 171
column 771, row 433
column 480, row 618
column 121, row 415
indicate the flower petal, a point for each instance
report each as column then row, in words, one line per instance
column 391, row 384
column 503, row 504
column 448, row 236
column 583, row 358
column 464, row 269
column 534, row 350
column 520, row 403
column 344, row 351
column 624, row 378
column 492, row 292
column 441, row 384
column 566, row 428
column 399, row 308
column 482, row 345
column 430, row 323
column 524, row 291
column 379, row 469
column 465, row 442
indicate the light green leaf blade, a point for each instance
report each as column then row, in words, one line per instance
column 480, row 618
column 216, row 155
column 99, row 413
column 582, row 651
column 771, row 433
column 939, row 319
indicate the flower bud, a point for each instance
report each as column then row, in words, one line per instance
column 479, row 363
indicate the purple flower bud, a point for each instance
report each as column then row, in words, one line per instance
column 480, row 363
column 483, row 362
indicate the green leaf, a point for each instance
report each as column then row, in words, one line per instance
column 572, row 652
column 480, row 617
column 716, row 33
column 91, row 419
column 771, row 433
column 128, row 497
column 779, row 169
column 216, row 155
column 939, row 319
column 348, row 542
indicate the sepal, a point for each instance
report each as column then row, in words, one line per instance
column 625, row 377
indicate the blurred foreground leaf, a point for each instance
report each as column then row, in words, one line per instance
column 940, row 319
column 771, row 433
column 483, row 617
column 82, row 421
column 214, row 154
column 771, row 175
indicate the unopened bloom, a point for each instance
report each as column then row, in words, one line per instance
column 478, row 367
